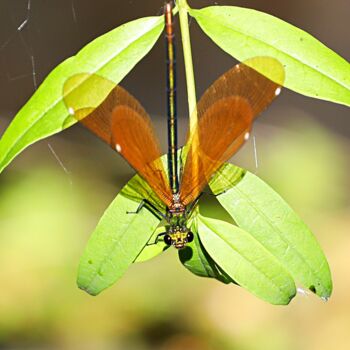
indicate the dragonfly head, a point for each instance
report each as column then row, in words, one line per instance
column 178, row 237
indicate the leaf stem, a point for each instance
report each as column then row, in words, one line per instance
column 187, row 51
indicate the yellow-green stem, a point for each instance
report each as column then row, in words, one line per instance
column 191, row 87
column 187, row 51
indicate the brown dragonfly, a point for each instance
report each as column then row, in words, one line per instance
column 226, row 112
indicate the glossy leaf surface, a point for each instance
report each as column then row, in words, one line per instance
column 259, row 210
column 111, row 56
column 153, row 247
column 312, row 69
column 195, row 258
column 115, row 244
column 246, row 261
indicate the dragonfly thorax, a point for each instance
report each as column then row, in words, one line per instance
column 177, row 207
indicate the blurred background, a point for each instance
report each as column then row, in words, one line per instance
column 53, row 194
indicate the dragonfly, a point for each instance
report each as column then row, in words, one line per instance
column 226, row 112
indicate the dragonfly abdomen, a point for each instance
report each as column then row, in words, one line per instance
column 171, row 99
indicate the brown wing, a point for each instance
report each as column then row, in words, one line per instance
column 133, row 137
column 122, row 123
column 225, row 115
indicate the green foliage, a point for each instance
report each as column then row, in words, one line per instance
column 270, row 248
column 154, row 247
column 196, row 259
column 115, row 244
column 111, row 56
column 312, row 69
column 259, row 210
column 246, row 261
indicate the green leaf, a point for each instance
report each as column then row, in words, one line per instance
column 138, row 189
column 246, row 261
column 111, row 56
column 259, row 210
column 196, row 259
column 226, row 177
column 311, row 68
column 152, row 249
column 115, row 244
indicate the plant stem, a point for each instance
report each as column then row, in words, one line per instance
column 191, row 87
column 187, row 51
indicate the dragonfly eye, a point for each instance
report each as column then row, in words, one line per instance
column 167, row 239
column 189, row 237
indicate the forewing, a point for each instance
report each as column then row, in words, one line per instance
column 244, row 80
column 137, row 189
column 225, row 115
column 121, row 122
column 134, row 138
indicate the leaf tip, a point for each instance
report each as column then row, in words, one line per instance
column 87, row 289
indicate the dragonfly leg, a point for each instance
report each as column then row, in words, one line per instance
column 157, row 238
column 145, row 203
column 193, row 204
column 160, row 235
column 215, row 194
column 218, row 194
